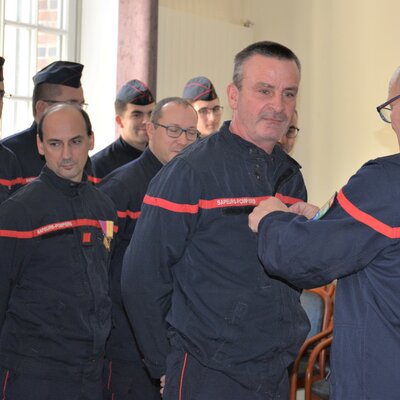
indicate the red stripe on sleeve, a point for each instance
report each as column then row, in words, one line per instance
column 12, row 182
column 128, row 213
column 170, row 206
column 287, row 199
column 366, row 219
column 93, row 179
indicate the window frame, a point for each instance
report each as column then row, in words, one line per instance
column 69, row 50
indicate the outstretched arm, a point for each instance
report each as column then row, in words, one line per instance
column 264, row 208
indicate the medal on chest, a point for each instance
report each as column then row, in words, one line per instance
column 107, row 228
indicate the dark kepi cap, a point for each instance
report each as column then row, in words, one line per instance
column 1, row 69
column 65, row 73
column 135, row 92
column 199, row 88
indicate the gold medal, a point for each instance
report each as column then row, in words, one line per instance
column 108, row 231
column 107, row 243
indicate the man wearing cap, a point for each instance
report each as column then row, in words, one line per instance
column 201, row 93
column 55, row 239
column 126, row 377
column 133, row 106
column 59, row 82
column 10, row 175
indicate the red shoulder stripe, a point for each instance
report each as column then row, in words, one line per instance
column 287, row 199
column 93, row 179
column 128, row 213
column 369, row 220
column 56, row 226
column 16, row 181
column 170, row 206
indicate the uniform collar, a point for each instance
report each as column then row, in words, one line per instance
column 243, row 145
column 147, row 153
column 125, row 146
column 66, row 186
column 256, row 152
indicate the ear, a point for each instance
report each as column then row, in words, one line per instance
column 39, row 145
column 91, row 141
column 233, row 95
column 150, row 130
column 40, row 108
column 118, row 121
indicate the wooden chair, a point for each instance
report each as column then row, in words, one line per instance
column 318, row 388
column 319, row 328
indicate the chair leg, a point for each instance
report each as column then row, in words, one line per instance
column 293, row 388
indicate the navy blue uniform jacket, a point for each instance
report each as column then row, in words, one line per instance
column 54, row 291
column 358, row 242
column 192, row 266
column 10, row 173
column 113, row 156
column 126, row 186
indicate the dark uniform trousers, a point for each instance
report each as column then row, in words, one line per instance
column 33, row 382
column 188, row 379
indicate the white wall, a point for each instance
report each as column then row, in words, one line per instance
column 99, row 55
column 200, row 47
column 348, row 51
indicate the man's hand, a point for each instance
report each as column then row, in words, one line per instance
column 263, row 209
column 162, row 385
column 306, row 209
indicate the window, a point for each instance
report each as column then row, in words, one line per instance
column 36, row 33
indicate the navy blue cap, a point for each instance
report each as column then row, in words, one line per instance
column 199, row 88
column 65, row 73
column 1, row 69
column 135, row 92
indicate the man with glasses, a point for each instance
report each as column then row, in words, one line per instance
column 10, row 172
column 287, row 141
column 201, row 93
column 205, row 313
column 59, row 82
column 133, row 106
column 171, row 129
column 357, row 241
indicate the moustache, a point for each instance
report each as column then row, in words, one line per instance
column 67, row 163
column 281, row 117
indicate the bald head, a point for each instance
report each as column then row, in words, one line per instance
column 394, row 84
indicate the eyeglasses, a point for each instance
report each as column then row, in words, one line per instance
column 3, row 94
column 292, row 132
column 385, row 111
column 214, row 110
column 84, row 106
column 176, row 131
